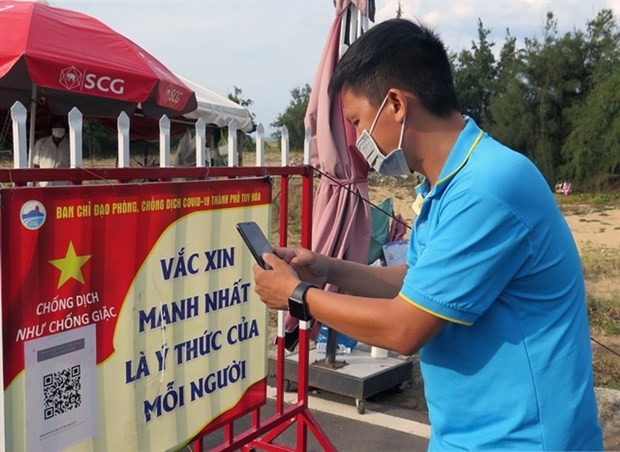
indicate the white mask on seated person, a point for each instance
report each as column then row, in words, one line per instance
column 58, row 132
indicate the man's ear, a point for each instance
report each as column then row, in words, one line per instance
column 397, row 104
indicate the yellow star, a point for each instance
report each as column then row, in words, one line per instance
column 70, row 266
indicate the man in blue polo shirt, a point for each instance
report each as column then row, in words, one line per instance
column 492, row 294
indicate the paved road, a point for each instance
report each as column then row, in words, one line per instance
column 390, row 421
column 384, row 426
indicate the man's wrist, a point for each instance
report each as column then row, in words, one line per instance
column 297, row 305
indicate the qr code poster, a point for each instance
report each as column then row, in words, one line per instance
column 61, row 396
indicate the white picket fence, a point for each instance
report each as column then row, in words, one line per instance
column 75, row 119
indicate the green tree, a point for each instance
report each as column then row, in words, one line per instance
column 555, row 75
column 244, row 141
column 237, row 97
column 592, row 149
column 509, row 117
column 293, row 117
column 558, row 101
column 474, row 76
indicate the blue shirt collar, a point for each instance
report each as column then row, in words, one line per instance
column 462, row 149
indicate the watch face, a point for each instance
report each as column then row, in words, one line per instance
column 297, row 304
column 297, row 309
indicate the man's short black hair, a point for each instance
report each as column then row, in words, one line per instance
column 398, row 54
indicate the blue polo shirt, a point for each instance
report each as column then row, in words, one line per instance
column 491, row 253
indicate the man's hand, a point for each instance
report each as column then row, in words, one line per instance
column 274, row 286
column 311, row 267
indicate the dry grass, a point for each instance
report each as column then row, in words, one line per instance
column 600, row 262
column 294, row 211
column 606, row 371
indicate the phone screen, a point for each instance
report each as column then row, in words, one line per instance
column 255, row 240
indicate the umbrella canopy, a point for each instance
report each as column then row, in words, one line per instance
column 216, row 109
column 213, row 109
column 343, row 227
column 77, row 61
column 365, row 7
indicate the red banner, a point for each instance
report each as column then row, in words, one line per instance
column 154, row 278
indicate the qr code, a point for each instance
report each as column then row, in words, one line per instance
column 61, row 391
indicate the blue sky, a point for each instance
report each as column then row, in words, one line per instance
column 268, row 47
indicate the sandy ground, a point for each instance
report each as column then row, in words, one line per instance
column 600, row 229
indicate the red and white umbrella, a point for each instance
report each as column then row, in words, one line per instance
column 68, row 59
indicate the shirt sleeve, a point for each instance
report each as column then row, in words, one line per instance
column 36, row 152
column 477, row 246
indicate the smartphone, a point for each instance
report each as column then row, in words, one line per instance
column 255, row 240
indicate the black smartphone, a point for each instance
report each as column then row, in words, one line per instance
column 255, row 240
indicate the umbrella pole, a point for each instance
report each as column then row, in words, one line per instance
column 33, row 120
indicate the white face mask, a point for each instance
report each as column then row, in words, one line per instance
column 58, row 132
column 394, row 164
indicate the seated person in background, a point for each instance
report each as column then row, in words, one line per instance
column 53, row 151
column 186, row 149
column 186, row 153
column 219, row 157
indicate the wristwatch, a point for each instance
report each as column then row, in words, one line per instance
column 297, row 302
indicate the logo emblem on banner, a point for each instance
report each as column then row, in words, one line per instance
column 174, row 95
column 71, row 77
column 32, row 215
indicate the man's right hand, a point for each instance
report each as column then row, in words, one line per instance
column 311, row 267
